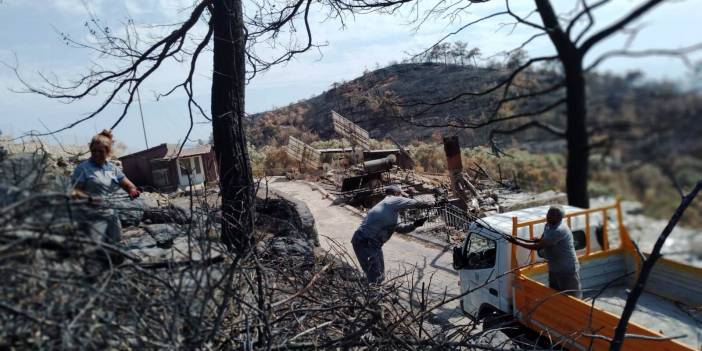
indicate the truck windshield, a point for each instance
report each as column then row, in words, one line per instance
column 480, row 252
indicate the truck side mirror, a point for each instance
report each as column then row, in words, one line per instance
column 459, row 260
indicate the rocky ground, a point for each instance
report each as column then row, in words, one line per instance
column 169, row 283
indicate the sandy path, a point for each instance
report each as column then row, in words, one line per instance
column 337, row 224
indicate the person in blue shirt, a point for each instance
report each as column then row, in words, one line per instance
column 97, row 178
column 377, row 228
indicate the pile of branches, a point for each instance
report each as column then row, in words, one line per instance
column 67, row 288
column 64, row 288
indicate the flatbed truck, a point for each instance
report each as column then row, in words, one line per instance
column 502, row 281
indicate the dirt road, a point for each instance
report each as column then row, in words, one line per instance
column 431, row 265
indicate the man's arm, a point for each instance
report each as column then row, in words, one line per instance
column 538, row 243
column 404, row 228
column 129, row 187
column 407, row 203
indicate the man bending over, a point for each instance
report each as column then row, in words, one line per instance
column 377, row 228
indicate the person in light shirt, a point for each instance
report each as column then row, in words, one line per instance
column 97, row 178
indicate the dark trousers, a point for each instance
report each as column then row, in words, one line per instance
column 370, row 257
column 568, row 282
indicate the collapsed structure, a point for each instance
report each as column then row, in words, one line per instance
column 167, row 167
column 358, row 175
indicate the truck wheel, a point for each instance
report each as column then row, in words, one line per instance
column 497, row 319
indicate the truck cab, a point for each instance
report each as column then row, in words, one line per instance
column 484, row 260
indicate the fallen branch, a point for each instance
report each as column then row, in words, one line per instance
column 26, row 315
column 307, row 287
column 62, row 243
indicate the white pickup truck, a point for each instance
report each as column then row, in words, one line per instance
column 506, row 281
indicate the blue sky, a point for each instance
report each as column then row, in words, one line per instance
column 29, row 38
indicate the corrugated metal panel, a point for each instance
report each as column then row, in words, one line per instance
column 302, row 152
column 351, row 131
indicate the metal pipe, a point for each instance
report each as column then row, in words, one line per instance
column 380, row 165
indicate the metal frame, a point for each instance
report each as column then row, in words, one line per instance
column 351, row 131
column 302, row 152
column 453, row 217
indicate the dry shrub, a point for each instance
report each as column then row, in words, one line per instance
column 429, row 158
column 276, row 160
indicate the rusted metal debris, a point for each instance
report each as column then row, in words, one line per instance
column 462, row 187
column 351, row 131
column 305, row 154
column 360, row 176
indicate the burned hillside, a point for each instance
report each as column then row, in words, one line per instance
column 640, row 129
column 627, row 109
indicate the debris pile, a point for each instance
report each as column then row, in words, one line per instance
column 170, row 284
column 357, row 175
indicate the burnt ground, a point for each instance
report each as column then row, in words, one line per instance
column 170, row 284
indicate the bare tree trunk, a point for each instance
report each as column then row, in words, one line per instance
column 228, row 80
column 576, row 135
column 576, row 130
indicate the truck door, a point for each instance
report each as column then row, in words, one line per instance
column 479, row 272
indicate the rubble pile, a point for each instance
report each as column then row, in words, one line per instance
column 491, row 197
column 170, row 284
column 357, row 175
column 473, row 191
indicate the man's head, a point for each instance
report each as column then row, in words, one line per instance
column 555, row 214
column 395, row 190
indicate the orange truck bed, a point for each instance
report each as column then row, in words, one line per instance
column 668, row 316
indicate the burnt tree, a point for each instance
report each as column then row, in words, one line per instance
column 233, row 38
column 570, row 37
column 228, row 77
column 572, row 57
column 576, row 116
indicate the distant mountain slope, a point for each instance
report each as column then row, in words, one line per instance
column 366, row 100
column 637, row 116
